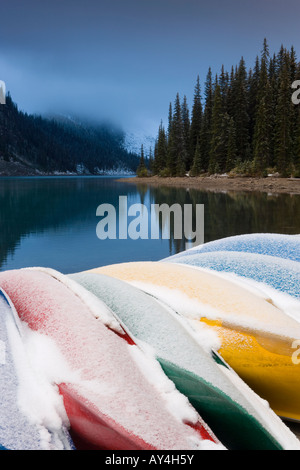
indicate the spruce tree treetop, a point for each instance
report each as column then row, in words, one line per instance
column 195, row 122
column 142, row 170
column 283, row 120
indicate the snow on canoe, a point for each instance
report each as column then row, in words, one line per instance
column 234, row 413
column 115, row 396
column 280, row 274
column 258, row 339
column 272, row 244
column 26, row 421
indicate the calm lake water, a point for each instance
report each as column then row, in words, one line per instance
column 51, row 221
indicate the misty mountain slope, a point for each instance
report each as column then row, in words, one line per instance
column 32, row 144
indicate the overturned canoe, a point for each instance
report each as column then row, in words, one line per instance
column 234, row 413
column 272, row 244
column 257, row 338
column 109, row 401
column 283, row 275
column 25, row 422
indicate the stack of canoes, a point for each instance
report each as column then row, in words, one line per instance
column 195, row 352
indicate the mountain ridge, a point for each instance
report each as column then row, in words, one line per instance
column 33, row 145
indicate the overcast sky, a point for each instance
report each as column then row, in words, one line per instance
column 125, row 60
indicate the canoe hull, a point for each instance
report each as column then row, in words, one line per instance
column 264, row 363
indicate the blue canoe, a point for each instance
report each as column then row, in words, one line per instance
column 271, row 244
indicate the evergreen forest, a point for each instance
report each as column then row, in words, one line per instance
column 42, row 145
column 244, row 123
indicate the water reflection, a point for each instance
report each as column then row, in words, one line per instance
column 52, row 221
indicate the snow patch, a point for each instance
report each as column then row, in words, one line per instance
column 38, row 399
column 194, row 309
column 98, row 308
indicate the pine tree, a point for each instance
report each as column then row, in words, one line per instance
column 180, row 151
column 186, row 132
column 170, row 170
column 262, row 131
column 205, row 133
column 151, row 161
column 283, row 121
column 176, row 156
column 280, row 61
column 241, row 116
column 216, row 147
column 196, row 121
column 224, row 85
column 155, row 168
column 231, row 93
column 253, row 86
column 231, row 146
column 160, row 157
column 262, row 135
column 273, row 106
column 170, row 121
column 197, row 162
column 142, row 170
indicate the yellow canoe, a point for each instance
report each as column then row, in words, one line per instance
column 258, row 339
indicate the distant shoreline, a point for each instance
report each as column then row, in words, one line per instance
column 270, row 185
column 17, row 169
